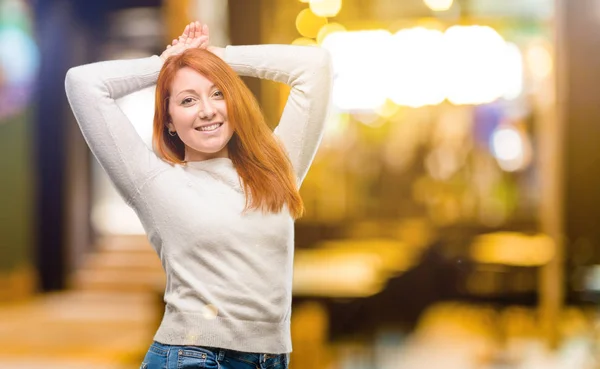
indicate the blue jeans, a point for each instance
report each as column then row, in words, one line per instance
column 161, row 356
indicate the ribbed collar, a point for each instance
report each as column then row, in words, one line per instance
column 220, row 168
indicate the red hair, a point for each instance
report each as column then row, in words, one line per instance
column 265, row 170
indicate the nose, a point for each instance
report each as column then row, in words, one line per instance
column 207, row 111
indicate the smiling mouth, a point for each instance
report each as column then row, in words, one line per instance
column 212, row 127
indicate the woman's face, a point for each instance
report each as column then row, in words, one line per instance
column 199, row 116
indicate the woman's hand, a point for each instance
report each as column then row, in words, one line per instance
column 195, row 35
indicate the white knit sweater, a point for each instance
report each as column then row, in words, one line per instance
column 229, row 275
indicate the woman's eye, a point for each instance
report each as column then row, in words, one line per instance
column 218, row 94
column 187, row 101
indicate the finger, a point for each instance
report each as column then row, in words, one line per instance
column 205, row 30
column 168, row 46
column 186, row 31
column 193, row 30
column 196, row 30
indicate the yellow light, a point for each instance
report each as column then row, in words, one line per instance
column 513, row 67
column 305, row 1
column 415, row 66
column 539, row 61
column 368, row 118
column 475, row 63
column 303, row 41
column 328, row 29
column 308, row 23
column 438, row 5
column 387, row 110
column 361, row 77
column 335, row 128
column 511, row 248
column 418, row 66
column 326, row 8
column 336, row 274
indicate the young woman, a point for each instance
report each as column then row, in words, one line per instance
column 218, row 195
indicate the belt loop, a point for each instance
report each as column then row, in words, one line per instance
column 221, row 355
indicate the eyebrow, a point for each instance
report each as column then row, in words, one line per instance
column 193, row 91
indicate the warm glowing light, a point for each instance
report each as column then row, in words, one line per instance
column 442, row 163
column 539, row 61
column 513, row 71
column 415, row 67
column 439, row 5
column 475, row 58
column 361, row 77
column 318, row 273
column 326, row 8
column 368, row 118
column 308, row 23
column 335, row 128
column 511, row 148
column 303, row 41
column 328, row 29
column 513, row 249
column 387, row 110
column 418, row 66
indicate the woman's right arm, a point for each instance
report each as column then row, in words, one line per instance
column 92, row 90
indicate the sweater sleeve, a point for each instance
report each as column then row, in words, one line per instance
column 92, row 90
column 308, row 71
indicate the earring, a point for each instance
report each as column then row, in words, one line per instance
column 172, row 133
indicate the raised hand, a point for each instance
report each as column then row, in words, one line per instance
column 195, row 35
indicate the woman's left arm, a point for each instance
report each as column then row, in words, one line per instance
column 307, row 70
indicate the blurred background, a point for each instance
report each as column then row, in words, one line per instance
column 451, row 211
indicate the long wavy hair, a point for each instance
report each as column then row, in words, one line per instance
column 266, row 172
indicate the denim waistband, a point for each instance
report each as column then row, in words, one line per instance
column 219, row 353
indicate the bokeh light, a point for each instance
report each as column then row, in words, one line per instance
column 539, row 60
column 19, row 57
column 475, row 58
column 439, row 5
column 511, row 148
column 513, row 67
column 361, row 77
column 308, row 23
column 326, row 8
column 418, row 66
column 304, row 41
column 415, row 68
column 328, row 29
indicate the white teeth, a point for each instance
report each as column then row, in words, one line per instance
column 212, row 127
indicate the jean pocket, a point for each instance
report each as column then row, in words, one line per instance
column 280, row 362
column 196, row 357
column 155, row 358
